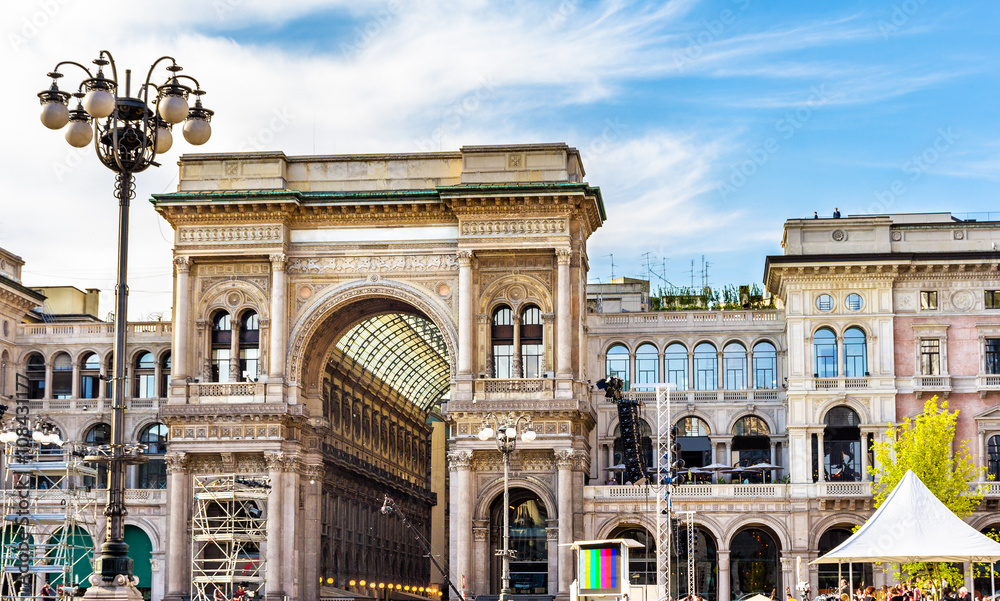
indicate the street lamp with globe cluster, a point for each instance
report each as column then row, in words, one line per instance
column 128, row 133
column 505, row 429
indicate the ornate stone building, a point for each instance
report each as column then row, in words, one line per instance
column 342, row 326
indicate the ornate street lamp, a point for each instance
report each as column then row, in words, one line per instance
column 504, row 428
column 128, row 132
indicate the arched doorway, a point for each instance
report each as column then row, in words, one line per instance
column 377, row 368
column 857, row 574
column 753, row 562
column 696, row 447
column 641, row 560
column 842, row 445
column 981, row 581
column 140, row 549
column 529, row 568
column 706, row 570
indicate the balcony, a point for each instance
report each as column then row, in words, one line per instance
column 228, row 392
column 692, row 319
column 987, row 383
column 845, row 489
column 74, row 405
column 39, row 333
column 932, row 384
column 702, row 396
column 840, row 383
column 690, row 491
column 990, row 489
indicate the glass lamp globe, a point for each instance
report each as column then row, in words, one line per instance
column 197, row 131
column 79, row 133
column 37, row 436
column 55, row 114
column 164, row 140
column 172, row 108
column 511, row 432
column 486, row 433
column 99, row 103
column 528, row 435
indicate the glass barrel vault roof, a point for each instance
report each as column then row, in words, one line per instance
column 406, row 352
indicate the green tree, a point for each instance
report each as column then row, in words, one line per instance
column 926, row 445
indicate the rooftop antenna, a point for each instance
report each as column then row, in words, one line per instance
column 692, row 274
column 649, row 269
column 612, row 255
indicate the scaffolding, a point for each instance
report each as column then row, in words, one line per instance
column 228, row 529
column 49, row 516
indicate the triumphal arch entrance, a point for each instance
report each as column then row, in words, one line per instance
column 342, row 327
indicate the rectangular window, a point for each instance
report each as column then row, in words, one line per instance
column 993, row 355
column 531, row 360
column 930, row 357
column 144, row 386
column 220, row 365
column 249, row 363
column 992, row 299
column 677, row 371
column 928, row 300
column 502, row 356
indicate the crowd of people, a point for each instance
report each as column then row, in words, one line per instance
column 906, row 591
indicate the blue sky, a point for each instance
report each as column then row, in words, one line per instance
column 706, row 124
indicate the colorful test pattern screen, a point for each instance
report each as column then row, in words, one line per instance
column 600, row 570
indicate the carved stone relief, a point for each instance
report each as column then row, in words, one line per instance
column 377, row 264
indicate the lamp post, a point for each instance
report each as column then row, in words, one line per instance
column 128, row 132
column 504, row 428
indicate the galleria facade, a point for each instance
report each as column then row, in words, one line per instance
column 342, row 326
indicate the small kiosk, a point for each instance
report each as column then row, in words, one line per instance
column 602, row 568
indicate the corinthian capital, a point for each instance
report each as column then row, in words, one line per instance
column 458, row 460
column 176, row 462
column 464, row 258
column 182, row 263
column 278, row 261
column 563, row 255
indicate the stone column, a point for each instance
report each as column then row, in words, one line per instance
column 461, row 497
column 840, row 356
column 552, row 539
column 47, row 393
column 75, row 384
column 728, row 459
column 564, row 466
column 178, row 358
column 720, row 375
column 725, row 586
column 981, row 453
column 820, row 463
column 235, row 374
column 864, row 456
column 465, row 313
column 564, row 340
column 515, row 362
column 291, row 562
column 313, row 476
column 750, row 385
column 274, row 554
column 177, row 547
column 279, row 309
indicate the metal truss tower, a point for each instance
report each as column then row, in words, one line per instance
column 49, row 516
column 228, row 530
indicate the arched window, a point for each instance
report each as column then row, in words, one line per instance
column 842, row 445
column 249, row 346
column 754, row 561
column 705, row 367
column 528, row 521
column 531, row 342
column 98, row 435
column 734, row 366
column 675, row 361
column 153, row 473
column 617, row 364
column 855, row 353
column 647, row 360
column 35, row 372
column 108, row 370
column 993, row 457
column 701, row 544
column 696, row 448
column 828, row 572
column 222, row 337
column 164, row 391
column 752, row 445
column 765, row 366
column 641, row 560
column 90, row 376
column 502, row 335
column 825, row 349
column 145, row 376
column 985, row 579
column 62, row 376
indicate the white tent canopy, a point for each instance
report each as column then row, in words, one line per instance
column 913, row 525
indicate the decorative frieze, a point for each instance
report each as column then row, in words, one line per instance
column 229, row 234
column 375, row 264
column 510, row 227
